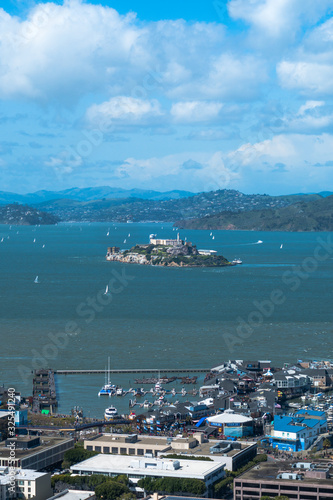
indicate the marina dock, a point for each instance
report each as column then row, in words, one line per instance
column 133, row 370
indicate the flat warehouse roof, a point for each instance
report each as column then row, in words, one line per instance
column 127, row 465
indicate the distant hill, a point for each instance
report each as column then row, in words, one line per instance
column 139, row 210
column 90, row 194
column 302, row 216
column 24, row 215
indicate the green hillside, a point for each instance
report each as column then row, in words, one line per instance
column 302, row 216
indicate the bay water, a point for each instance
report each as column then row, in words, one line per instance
column 277, row 305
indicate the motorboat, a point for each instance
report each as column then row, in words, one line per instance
column 110, row 413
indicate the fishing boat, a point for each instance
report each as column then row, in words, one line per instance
column 237, row 261
column 108, row 389
column 36, row 280
column 110, row 413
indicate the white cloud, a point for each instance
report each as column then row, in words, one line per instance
column 297, row 153
column 163, row 172
column 123, row 109
column 310, row 105
column 277, row 18
column 229, row 76
column 63, row 52
column 195, row 111
column 308, row 77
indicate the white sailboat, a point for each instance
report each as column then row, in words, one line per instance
column 36, row 280
column 106, row 290
column 281, row 246
column 108, row 389
column 213, row 238
column 34, row 240
column 108, row 233
column 1, row 240
column 129, row 235
column 125, row 240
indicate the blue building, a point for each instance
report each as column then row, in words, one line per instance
column 296, row 433
column 21, row 416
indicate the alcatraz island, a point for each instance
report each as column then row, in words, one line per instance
column 168, row 253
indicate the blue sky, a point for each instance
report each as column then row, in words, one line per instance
column 168, row 95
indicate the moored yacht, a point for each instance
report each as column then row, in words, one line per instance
column 108, row 389
column 110, row 413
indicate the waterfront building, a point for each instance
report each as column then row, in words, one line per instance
column 298, row 381
column 141, row 467
column 299, row 481
column 231, row 454
column 28, row 484
column 295, row 433
column 153, row 240
column 33, row 452
column 232, row 424
column 21, row 416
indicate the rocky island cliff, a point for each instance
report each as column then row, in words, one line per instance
column 167, row 253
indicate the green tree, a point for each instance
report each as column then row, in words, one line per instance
column 172, row 485
column 75, row 456
column 327, row 443
column 110, row 490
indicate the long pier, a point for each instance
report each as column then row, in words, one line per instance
column 134, row 370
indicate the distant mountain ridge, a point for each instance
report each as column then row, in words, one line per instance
column 168, row 210
column 90, row 194
column 105, row 204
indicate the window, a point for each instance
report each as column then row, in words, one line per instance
column 98, row 448
column 106, row 449
column 131, row 451
column 89, row 448
column 140, row 451
column 115, row 451
column 149, row 451
column 123, row 451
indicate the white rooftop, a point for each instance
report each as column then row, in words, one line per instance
column 73, row 495
column 20, row 474
column 121, row 464
column 229, row 417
